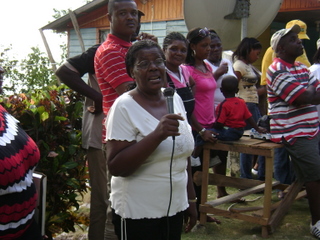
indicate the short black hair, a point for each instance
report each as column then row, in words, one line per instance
column 173, row 36
column 229, row 84
column 132, row 53
column 214, row 34
column 112, row 3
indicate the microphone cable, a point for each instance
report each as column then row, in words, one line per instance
column 170, row 195
column 168, row 94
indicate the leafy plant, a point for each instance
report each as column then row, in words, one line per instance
column 33, row 72
column 53, row 119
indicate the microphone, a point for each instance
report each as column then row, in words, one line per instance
column 168, row 94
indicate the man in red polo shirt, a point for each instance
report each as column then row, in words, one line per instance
column 109, row 60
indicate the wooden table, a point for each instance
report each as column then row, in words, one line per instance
column 261, row 215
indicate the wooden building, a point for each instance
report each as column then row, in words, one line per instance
column 89, row 25
column 305, row 10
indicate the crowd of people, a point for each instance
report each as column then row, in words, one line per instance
column 142, row 152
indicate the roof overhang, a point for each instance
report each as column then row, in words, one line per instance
column 61, row 23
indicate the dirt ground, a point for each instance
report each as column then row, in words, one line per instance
column 295, row 225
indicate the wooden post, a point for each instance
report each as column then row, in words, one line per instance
column 205, row 179
column 53, row 63
column 267, row 193
column 234, row 159
column 77, row 29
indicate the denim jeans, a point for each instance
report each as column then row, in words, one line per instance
column 254, row 110
column 246, row 159
column 224, row 134
column 283, row 171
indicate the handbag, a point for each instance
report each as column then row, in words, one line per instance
column 186, row 95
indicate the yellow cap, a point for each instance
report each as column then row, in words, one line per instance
column 303, row 26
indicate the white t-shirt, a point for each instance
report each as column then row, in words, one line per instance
column 247, row 85
column 315, row 71
column 218, row 96
column 145, row 193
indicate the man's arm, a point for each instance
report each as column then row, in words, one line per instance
column 310, row 96
column 71, row 77
column 124, row 87
column 259, row 129
column 111, row 70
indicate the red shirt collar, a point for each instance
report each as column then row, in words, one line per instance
column 119, row 41
column 289, row 65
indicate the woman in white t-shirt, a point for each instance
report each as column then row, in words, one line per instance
column 147, row 151
column 221, row 67
column 244, row 56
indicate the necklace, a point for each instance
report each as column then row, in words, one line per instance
column 202, row 68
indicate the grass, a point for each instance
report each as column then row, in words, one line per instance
column 295, row 225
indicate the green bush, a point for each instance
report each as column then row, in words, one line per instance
column 53, row 119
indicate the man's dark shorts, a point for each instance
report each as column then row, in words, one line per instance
column 304, row 154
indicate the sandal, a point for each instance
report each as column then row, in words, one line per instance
column 212, row 219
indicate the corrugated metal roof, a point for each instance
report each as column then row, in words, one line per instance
column 61, row 23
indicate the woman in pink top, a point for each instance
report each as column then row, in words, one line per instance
column 205, row 85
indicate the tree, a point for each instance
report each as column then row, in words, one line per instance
column 33, row 72
column 51, row 115
column 52, row 118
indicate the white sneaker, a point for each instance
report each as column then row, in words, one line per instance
column 254, row 172
column 195, row 162
column 315, row 229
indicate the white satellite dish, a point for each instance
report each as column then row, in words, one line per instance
column 211, row 14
